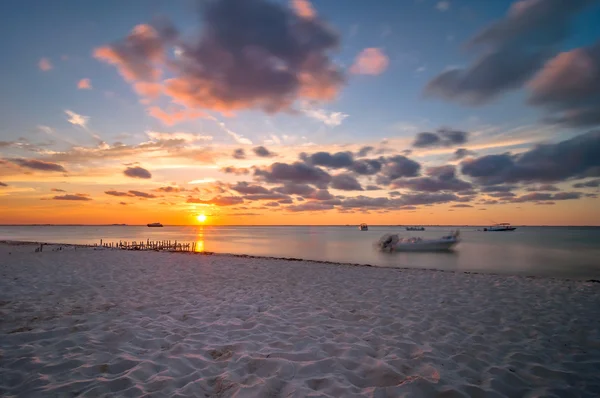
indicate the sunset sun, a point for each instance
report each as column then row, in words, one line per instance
column 201, row 218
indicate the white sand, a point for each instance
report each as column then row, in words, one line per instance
column 96, row 322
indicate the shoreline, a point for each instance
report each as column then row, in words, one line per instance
column 293, row 259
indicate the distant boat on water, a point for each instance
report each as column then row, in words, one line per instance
column 500, row 227
column 415, row 228
column 155, row 224
column 363, row 227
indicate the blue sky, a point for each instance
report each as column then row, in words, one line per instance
column 419, row 38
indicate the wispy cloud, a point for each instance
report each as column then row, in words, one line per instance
column 442, row 6
column 370, row 61
column 84, row 84
column 330, row 119
column 44, row 64
column 77, row 119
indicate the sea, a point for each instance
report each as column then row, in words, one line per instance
column 562, row 252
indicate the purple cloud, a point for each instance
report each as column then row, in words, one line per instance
column 137, row 172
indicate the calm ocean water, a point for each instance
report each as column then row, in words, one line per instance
column 572, row 252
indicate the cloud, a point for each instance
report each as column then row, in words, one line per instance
column 366, row 166
column 295, row 189
column 336, row 161
column 219, row 201
column 57, row 190
column 77, row 196
column 577, row 157
column 442, row 6
column 441, row 138
column 235, row 170
column 569, row 87
column 462, row 153
column 123, row 203
column 84, row 84
column 38, row 165
column 250, row 54
column 398, row 166
column 185, row 137
column 539, row 196
column 149, row 90
column 588, row 184
column 511, row 50
column 169, row 189
column 262, row 152
column 304, row 9
column 141, row 194
column 171, row 118
column 246, row 188
column 544, row 187
column 370, row 61
column 44, row 64
column 309, row 206
column 3, row 184
column 498, row 188
column 296, row 173
column 137, row 172
column 442, row 178
column 331, row 119
column 76, row 119
column 116, row 193
column 239, row 154
column 345, row 182
column 462, row 205
column 138, row 56
column 365, row 151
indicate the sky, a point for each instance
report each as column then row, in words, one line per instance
column 314, row 112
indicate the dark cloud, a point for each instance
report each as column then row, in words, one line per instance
column 75, row 197
column 499, row 195
column 295, row 189
column 218, row 201
column 441, row 178
column 295, row 173
column 540, row 196
column 272, row 204
column 365, row 151
column 287, row 201
column 461, row 153
column 310, row 206
column 262, row 152
column 246, row 188
column 321, row 194
column 57, row 190
column 235, row 170
column 588, row 184
column 366, row 166
column 38, row 165
column 544, row 187
column 345, row 182
column 137, row 172
column 511, row 50
column 249, row 54
column 338, row 160
column 498, row 188
column 577, row 157
column 569, row 87
column 441, row 138
column 365, row 202
column 123, row 203
column 461, row 205
column 141, row 194
column 266, row 196
column 169, row 189
column 239, row 154
column 3, row 184
column 373, row 188
column 116, row 193
column 397, row 167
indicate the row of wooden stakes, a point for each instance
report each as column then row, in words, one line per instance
column 162, row 245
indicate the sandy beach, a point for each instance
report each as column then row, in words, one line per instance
column 86, row 322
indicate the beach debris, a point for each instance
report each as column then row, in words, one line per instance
column 162, row 245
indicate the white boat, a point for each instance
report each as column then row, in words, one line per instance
column 363, row 227
column 155, row 224
column 500, row 227
column 392, row 242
